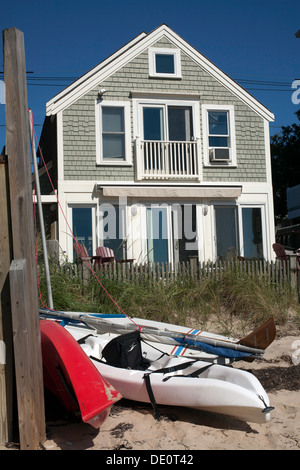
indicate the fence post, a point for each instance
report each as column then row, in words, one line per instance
column 294, row 274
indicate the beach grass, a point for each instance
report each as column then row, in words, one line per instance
column 233, row 303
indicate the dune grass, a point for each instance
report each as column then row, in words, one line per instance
column 234, row 302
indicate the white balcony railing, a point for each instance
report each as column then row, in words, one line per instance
column 167, row 160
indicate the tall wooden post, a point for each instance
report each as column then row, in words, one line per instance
column 28, row 356
column 6, row 338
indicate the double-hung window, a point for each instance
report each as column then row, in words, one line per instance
column 113, row 132
column 218, row 135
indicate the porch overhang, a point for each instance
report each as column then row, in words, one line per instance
column 171, row 192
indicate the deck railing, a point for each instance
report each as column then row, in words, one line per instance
column 168, row 160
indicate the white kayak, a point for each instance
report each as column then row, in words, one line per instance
column 179, row 340
column 175, row 381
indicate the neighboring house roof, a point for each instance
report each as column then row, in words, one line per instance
column 132, row 49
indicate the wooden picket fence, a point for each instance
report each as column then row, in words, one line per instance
column 275, row 273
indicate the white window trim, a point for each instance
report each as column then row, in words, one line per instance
column 169, row 51
column 99, row 157
column 232, row 147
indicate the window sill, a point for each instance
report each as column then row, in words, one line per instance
column 166, row 76
column 220, row 165
column 109, row 163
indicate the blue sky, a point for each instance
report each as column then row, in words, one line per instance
column 253, row 42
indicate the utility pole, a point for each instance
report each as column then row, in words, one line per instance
column 23, row 271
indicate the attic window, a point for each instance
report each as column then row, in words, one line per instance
column 164, row 63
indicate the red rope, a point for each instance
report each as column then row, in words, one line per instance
column 77, row 244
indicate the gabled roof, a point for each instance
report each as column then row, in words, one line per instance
column 132, row 49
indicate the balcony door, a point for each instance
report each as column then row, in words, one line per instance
column 168, row 123
column 166, row 130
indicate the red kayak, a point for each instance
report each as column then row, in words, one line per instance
column 72, row 377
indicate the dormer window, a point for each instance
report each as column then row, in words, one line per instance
column 164, row 63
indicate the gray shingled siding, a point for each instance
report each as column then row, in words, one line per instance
column 79, row 122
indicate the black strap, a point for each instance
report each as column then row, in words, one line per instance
column 196, row 373
column 82, row 340
column 166, row 370
column 159, row 350
column 151, row 395
column 97, row 359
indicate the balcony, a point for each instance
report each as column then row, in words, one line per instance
column 163, row 160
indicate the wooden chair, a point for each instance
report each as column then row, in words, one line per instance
column 106, row 255
column 280, row 252
column 82, row 254
column 81, row 251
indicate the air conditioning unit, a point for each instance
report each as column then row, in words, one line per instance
column 219, row 154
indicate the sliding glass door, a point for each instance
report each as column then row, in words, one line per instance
column 239, row 232
column 83, row 226
column 111, row 224
column 226, row 232
column 169, row 123
column 252, row 232
column 157, row 234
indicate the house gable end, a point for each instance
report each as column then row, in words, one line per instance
column 137, row 46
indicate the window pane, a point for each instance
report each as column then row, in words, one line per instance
column 226, row 232
column 218, row 142
column 218, row 122
column 82, row 227
column 164, row 63
column 252, row 232
column 113, row 147
column 113, row 231
column 180, row 123
column 187, row 242
column 112, row 119
column 153, row 123
column 157, row 234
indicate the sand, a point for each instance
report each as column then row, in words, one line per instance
column 131, row 426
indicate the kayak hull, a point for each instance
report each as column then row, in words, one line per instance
column 219, row 389
column 72, row 377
